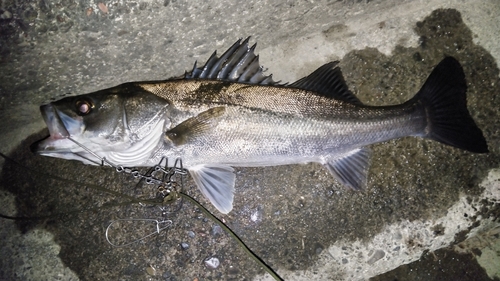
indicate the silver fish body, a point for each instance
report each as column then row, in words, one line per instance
column 254, row 125
column 227, row 114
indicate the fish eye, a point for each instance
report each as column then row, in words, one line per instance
column 84, row 106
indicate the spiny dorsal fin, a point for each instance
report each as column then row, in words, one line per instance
column 238, row 64
column 327, row 81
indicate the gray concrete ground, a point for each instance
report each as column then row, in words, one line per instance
column 430, row 212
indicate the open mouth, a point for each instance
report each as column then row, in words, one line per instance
column 61, row 142
column 56, row 123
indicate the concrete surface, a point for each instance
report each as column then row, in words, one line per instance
column 430, row 212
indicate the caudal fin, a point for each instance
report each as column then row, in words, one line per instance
column 444, row 97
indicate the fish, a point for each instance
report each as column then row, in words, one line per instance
column 228, row 113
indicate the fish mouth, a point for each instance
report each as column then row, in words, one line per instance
column 60, row 125
column 54, row 123
column 65, row 137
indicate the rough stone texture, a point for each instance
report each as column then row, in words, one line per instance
column 421, row 196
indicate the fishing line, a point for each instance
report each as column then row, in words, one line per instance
column 172, row 194
column 103, row 159
column 131, row 199
column 240, row 242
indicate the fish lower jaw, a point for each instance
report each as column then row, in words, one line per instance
column 54, row 136
column 53, row 144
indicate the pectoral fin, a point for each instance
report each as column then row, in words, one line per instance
column 351, row 169
column 216, row 182
column 195, row 126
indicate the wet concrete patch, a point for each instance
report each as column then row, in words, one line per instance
column 288, row 215
column 439, row 265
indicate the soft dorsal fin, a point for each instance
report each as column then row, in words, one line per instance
column 238, row 64
column 327, row 81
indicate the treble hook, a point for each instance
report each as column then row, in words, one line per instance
column 158, row 229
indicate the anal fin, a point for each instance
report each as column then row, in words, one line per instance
column 351, row 169
column 216, row 182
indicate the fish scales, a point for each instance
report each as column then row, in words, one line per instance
column 227, row 113
column 281, row 99
column 250, row 129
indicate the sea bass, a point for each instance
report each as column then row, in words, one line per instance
column 227, row 114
